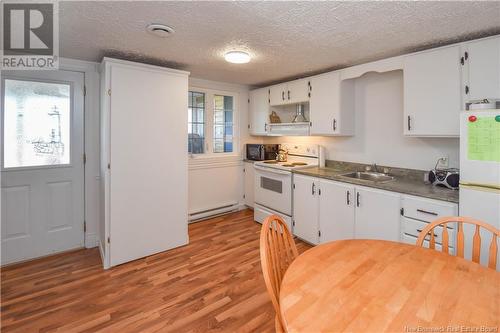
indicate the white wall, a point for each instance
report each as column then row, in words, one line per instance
column 379, row 130
column 217, row 181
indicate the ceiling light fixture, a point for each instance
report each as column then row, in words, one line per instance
column 237, row 57
column 160, row 30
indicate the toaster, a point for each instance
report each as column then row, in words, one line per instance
column 445, row 177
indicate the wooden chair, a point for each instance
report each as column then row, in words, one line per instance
column 476, row 240
column 277, row 251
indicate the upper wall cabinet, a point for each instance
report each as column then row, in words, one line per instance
column 331, row 105
column 289, row 93
column 432, row 93
column 259, row 111
column 482, row 58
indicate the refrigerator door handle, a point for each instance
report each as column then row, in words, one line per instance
column 481, row 187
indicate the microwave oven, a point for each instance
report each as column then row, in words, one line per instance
column 260, row 152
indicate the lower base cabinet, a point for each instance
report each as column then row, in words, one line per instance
column 305, row 208
column 336, row 213
column 325, row 211
column 377, row 214
column 249, row 179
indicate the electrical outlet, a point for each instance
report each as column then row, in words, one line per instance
column 443, row 162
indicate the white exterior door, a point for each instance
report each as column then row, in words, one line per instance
column 42, row 163
column 306, row 208
column 377, row 214
column 336, row 211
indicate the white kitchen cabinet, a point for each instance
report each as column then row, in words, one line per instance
column 377, row 214
column 298, row 91
column 249, row 183
column 331, row 105
column 292, row 92
column 336, row 211
column 259, row 111
column 432, row 93
column 277, row 94
column 145, row 195
column 483, row 63
column 306, row 208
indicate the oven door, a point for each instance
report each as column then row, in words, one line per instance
column 273, row 189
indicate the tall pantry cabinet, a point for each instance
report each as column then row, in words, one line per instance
column 144, row 160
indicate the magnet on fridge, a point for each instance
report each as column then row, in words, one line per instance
column 472, row 119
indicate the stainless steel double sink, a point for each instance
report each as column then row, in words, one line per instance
column 377, row 177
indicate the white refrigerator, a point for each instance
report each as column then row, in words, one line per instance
column 480, row 174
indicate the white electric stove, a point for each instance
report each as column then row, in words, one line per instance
column 273, row 180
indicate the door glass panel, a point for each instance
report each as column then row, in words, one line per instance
column 36, row 123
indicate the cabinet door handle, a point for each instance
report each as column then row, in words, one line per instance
column 357, row 199
column 420, row 230
column 334, row 124
column 288, row 94
column 426, row 212
column 265, row 127
column 313, row 189
column 466, row 90
column 348, row 198
column 409, row 123
column 283, row 95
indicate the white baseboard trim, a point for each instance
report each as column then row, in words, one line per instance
column 91, row 240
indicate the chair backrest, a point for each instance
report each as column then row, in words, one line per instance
column 277, row 251
column 476, row 240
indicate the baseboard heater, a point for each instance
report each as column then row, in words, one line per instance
column 211, row 212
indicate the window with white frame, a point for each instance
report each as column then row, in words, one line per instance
column 211, row 122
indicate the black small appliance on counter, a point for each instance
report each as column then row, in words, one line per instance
column 260, row 152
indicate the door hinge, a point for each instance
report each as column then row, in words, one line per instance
column 402, row 211
column 84, row 226
column 84, row 90
column 109, row 92
column 109, row 240
column 84, row 158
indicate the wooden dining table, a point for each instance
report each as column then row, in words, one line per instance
column 383, row 286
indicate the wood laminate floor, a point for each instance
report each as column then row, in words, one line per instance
column 213, row 284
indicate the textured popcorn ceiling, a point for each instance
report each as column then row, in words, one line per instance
column 286, row 39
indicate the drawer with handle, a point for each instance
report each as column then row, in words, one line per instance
column 414, row 228
column 408, row 239
column 427, row 209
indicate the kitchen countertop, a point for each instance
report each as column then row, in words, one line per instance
column 402, row 184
